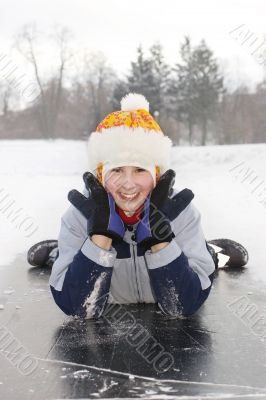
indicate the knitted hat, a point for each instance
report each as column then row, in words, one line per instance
column 130, row 137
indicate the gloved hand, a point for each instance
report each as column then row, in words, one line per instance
column 154, row 227
column 98, row 208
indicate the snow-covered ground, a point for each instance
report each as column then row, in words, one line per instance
column 229, row 183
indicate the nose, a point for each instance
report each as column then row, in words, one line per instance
column 128, row 181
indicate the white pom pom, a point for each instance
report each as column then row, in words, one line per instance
column 134, row 101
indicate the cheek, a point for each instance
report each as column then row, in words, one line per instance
column 147, row 184
column 110, row 188
column 112, row 185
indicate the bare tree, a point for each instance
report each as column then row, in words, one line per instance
column 6, row 97
column 95, row 84
column 62, row 37
column 48, row 104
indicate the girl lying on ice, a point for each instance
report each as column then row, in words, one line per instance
column 131, row 237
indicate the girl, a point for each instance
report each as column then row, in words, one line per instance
column 130, row 237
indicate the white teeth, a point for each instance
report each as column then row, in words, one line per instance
column 129, row 196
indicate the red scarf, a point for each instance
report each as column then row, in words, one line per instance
column 133, row 218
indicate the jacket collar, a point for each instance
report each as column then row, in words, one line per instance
column 130, row 220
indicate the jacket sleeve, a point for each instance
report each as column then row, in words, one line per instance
column 182, row 273
column 81, row 275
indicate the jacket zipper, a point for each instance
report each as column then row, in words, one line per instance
column 135, row 266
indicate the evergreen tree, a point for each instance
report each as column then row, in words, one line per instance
column 196, row 87
column 120, row 90
column 160, row 78
column 208, row 86
column 141, row 78
column 182, row 89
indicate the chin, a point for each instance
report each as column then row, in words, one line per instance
column 129, row 208
column 134, row 208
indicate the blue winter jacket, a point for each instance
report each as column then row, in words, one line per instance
column 86, row 277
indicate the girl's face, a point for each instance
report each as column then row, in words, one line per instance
column 129, row 186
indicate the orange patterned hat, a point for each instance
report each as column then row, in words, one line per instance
column 130, row 137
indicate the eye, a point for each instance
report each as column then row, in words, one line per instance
column 116, row 170
column 140, row 169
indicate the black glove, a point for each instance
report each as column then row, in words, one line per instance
column 98, row 208
column 160, row 209
column 154, row 227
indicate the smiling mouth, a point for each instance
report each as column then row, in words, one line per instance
column 126, row 196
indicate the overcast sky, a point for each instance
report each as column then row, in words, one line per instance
column 116, row 27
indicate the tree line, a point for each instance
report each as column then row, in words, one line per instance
column 189, row 99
